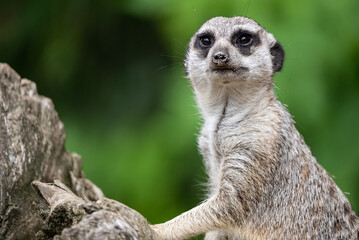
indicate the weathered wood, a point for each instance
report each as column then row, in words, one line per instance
column 71, row 217
column 32, row 149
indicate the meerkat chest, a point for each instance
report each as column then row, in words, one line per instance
column 208, row 147
column 218, row 135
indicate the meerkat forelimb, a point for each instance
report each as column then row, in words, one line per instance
column 264, row 181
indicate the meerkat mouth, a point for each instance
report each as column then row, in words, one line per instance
column 223, row 69
column 228, row 74
column 229, row 69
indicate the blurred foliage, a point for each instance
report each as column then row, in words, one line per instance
column 114, row 71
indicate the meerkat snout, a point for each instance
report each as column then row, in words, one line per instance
column 220, row 58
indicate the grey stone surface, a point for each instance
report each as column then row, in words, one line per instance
column 68, row 217
column 32, row 148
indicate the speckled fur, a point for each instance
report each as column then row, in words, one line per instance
column 264, row 182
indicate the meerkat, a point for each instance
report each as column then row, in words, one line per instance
column 264, row 182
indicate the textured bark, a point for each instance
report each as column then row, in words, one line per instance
column 69, row 217
column 32, row 148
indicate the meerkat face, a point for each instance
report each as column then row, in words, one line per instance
column 226, row 51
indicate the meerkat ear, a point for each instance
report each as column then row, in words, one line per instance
column 277, row 52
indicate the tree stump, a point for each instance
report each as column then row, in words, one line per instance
column 61, row 203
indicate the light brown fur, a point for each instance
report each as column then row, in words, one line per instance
column 264, row 182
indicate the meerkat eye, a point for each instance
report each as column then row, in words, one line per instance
column 205, row 41
column 244, row 39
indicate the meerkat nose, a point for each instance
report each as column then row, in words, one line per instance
column 220, row 58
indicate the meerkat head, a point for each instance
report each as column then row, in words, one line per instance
column 229, row 51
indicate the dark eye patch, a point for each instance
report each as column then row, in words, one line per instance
column 203, row 43
column 245, row 41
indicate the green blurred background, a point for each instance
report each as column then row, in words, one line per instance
column 114, row 70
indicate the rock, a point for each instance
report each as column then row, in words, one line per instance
column 72, row 218
column 32, row 148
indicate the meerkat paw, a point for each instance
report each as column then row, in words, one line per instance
column 216, row 235
column 158, row 230
column 163, row 232
column 221, row 235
